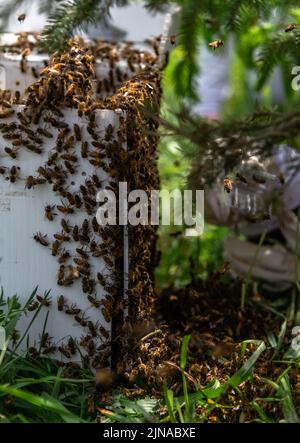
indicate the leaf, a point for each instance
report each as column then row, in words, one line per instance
column 44, row 401
column 243, row 373
column 288, row 408
column 184, row 350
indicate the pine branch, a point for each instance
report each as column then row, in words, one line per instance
column 72, row 15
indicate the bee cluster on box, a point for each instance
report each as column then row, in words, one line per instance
column 71, row 125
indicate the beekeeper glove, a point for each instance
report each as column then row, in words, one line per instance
column 272, row 264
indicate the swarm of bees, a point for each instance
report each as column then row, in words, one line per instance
column 67, row 82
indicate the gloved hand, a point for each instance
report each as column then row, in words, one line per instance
column 288, row 224
column 272, row 264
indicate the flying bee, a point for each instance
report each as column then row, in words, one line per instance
column 73, row 310
column 172, row 39
column 290, row 27
column 21, row 18
column 60, row 303
column 44, row 300
column 64, row 351
column 49, row 214
column 65, row 209
column 62, row 237
column 33, row 306
column 227, row 184
column 41, row 239
column 63, row 257
column 11, row 152
column 77, row 132
column 55, row 248
column 84, row 149
column 216, row 44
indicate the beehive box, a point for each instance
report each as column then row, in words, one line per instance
column 58, row 149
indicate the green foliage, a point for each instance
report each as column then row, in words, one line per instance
column 35, row 390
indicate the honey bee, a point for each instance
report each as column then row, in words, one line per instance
column 17, row 97
column 11, row 152
column 96, row 303
column 44, row 132
column 75, row 233
column 2, row 169
column 258, row 179
column 72, row 346
column 257, row 218
column 172, row 39
column 44, row 300
column 41, row 239
column 62, row 237
column 84, row 149
column 109, row 130
column 25, row 52
column 81, row 320
column 60, row 303
column 23, row 65
column 281, row 178
column 104, row 332
column 108, row 261
column 290, row 27
column 21, row 18
column 82, row 253
column 227, row 184
column 65, row 209
column 34, row 72
column 64, row 351
column 73, row 310
column 49, row 214
column 70, row 90
column 241, row 177
column 82, row 262
column 34, row 306
column 30, row 182
column 55, row 248
column 77, row 132
column 6, row 113
column 15, row 335
column 63, row 256
column 83, row 270
column 216, row 44
column 92, row 329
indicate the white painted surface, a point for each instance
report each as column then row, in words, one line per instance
column 24, row 264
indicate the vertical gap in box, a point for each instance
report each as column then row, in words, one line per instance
column 121, row 299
